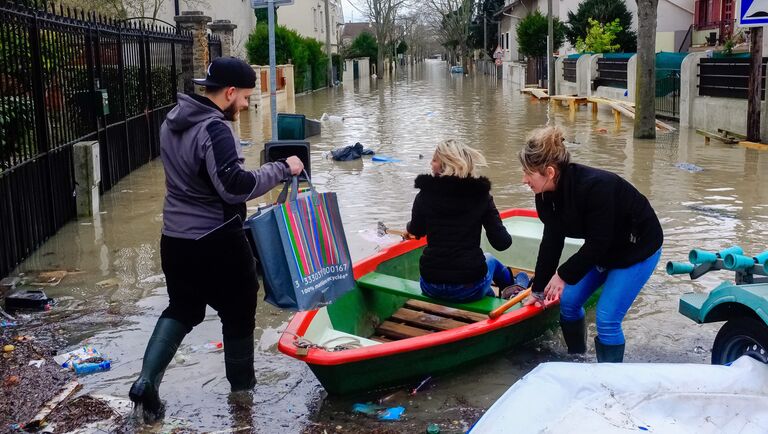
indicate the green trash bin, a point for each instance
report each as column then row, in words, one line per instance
column 290, row 126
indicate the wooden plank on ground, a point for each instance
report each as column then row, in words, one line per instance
column 40, row 418
column 395, row 331
column 445, row 311
column 710, row 135
column 731, row 134
column 425, row 320
column 540, row 93
column 753, row 145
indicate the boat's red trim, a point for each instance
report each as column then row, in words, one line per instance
column 301, row 321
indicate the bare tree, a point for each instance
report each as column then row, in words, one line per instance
column 148, row 9
column 382, row 14
column 645, row 90
column 451, row 20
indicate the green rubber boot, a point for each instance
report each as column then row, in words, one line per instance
column 575, row 335
column 161, row 348
column 238, row 363
column 608, row 353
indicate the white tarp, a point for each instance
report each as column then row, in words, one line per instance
column 634, row 397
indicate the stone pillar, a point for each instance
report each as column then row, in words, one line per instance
column 224, row 29
column 559, row 69
column 290, row 91
column 583, row 75
column 593, row 73
column 194, row 61
column 689, row 80
column 632, row 79
column 87, row 177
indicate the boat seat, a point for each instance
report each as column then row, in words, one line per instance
column 412, row 290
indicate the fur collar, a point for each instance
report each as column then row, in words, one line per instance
column 453, row 185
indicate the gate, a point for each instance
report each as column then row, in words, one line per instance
column 67, row 77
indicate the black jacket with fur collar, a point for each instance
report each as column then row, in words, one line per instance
column 451, row 211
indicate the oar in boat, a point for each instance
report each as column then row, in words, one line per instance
column 382, row 230
column 512, row 301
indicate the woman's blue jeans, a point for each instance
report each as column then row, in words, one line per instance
column 497, row 273
column 620, row 288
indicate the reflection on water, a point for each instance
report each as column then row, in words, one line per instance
column 120, row 292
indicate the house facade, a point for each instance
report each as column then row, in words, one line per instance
column 673, row 22
column 307, row 17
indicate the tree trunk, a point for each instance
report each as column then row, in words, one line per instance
column 380, row 63
column 645, row 85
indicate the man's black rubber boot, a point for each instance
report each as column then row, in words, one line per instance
column 575, row 335
column 608, row 353
column 161, row 348
column 238, row 362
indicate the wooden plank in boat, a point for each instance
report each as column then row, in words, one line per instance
column 393, row 330
column 381, row 339
column 425, row 320
column 445, row 311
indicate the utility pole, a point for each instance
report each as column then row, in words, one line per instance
column 272, row 68
column 328, row 44
column 550, row 49
column 755, row 84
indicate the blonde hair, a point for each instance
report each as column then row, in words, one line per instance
column 457, row 159
column 544, row 147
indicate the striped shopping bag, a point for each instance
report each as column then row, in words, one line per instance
column 302, row 249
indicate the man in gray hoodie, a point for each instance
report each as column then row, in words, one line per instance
column 204, row 252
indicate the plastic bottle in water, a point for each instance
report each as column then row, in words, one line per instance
column 89, row 368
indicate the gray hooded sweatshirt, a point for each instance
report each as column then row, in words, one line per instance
column 207, row 185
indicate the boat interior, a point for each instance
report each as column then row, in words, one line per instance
column 387, row 304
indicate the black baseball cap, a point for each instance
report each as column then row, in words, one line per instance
column 228, row 71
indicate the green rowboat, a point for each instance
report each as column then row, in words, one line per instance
column 385, row 332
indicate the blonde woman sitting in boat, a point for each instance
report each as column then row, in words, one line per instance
column 451, row 208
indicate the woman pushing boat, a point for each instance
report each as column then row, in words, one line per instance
column 451, row 209
column 622, row 242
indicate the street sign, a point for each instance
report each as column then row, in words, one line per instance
column 752, row 13
column 263, row 3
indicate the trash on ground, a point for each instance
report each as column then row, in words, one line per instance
column 332, row 118
column 384, row 159
column 433, row 428
column 688, row 167
column 50, row 278
column 8, row 348
column 107, row 283
column 9, row 283
column 393, row 413
column 36, row 363
column 368, row 408
column 245, row 143
column 32, row 299
column 5, row 323
column 380, row 411
column 417, row 388
column 84, row 354
column 349, row 153
column 90, row 368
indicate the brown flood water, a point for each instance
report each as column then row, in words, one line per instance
column 719, row 206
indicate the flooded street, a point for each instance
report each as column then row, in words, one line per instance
column 114, row 303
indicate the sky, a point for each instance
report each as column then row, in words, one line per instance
column 350, row 13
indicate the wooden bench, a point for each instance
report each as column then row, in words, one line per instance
column 411, row 289
column 422, row 315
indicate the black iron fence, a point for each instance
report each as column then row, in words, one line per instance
column 726, row 77
column 214, row 47
column 611, row 72
column 668, row 93
column 65, row 77
column 569, row 69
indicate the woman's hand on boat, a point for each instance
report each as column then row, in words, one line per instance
column 536, row 299
column 554, row 288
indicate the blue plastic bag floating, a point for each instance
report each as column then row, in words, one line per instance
column 302, row 249
column 383, row 159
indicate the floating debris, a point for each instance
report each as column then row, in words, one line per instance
column 688, row 167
